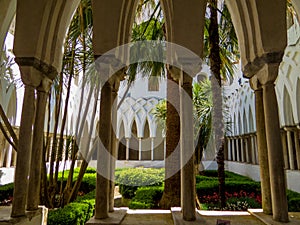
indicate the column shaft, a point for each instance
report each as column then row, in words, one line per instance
column 103, row 161
column 127, row 148
column 297, row 148
column 285, row 150
column 275, row 153
column 263, row 153
column 140, row 149
column 290, row 150
column 36, row 153
column 23, row 157
column 152, row 148
column 114, row 144
column 187, row 146
column 252, row 137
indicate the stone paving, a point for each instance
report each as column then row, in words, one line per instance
column 164, row 217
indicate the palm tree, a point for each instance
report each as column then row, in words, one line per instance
column 202, row 100
column 77, row 57
column 224, row 43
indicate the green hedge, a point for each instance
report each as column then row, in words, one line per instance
column 293, row 201
column 233, row 183
column 75, row 213
column 6, row 191
column 147, row 197
column 130, row 179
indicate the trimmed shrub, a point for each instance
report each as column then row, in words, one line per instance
column 293, row 201
column 6, row 191
column 75, row 213
column 210, row 187
column 130, row 179
column 140, row 205
column 149, row 197
column 294, row 205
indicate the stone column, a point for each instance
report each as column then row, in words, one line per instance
column 249, row 149
column 127, row 148
column 114, row 144
column 2, row 146
column 252, row 143
column 8, row 155
column 285, row 150
column 297, row 147
column 37, row 146
column 263, row 152
column 244, row 148
column 290, row 148
column 165, row 148
column 103, row 156
column 140, row 149
column 277, row 173
column 226, row 148
column 24, row 150
column 187, row 146
column 152, row 148
column 238, row 158
column 229, row 148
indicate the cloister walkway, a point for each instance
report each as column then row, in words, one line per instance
column 164, row 217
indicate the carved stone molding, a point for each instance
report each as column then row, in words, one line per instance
column 44, row 68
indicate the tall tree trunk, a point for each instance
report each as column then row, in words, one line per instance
column 51, row 187
column 86, row 159
column 171, row 195
column 216, row 83
column 9, row 128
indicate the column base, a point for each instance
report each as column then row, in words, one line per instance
column 38, row 217
column 178, row 218
column 294, row 217
column 115, row 218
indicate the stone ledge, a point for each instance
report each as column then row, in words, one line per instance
column 38, row 217
column 115, row 218
column 294, row 217
column 178, row 220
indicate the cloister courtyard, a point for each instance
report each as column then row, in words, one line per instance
column 150, row 112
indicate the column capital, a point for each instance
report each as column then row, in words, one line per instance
column 290, row 128
column 31, row 76
column 45, row 85
column 265, row 76
column 253, row 67
column 46, row 69
column 175, row 72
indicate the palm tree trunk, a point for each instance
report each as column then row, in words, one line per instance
column 171, row 195
column 215, row 66
column 9, row 128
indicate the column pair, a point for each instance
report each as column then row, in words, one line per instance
column 273, row 183
column 107, row 153
column 28, row 166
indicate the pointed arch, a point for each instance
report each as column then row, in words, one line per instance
column 251, row 120
column 133, row 143
column 245, row 122
column 146, row 142
column 122, row 142
column 298, row 99
column 287, row 108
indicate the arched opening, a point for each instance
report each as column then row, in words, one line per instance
column 122, row 143
column 245, row 123
column 159, row 145
column 251, row 121
column 287, row 108
column 134, row 143
column 146, row 143
column 298, row 100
